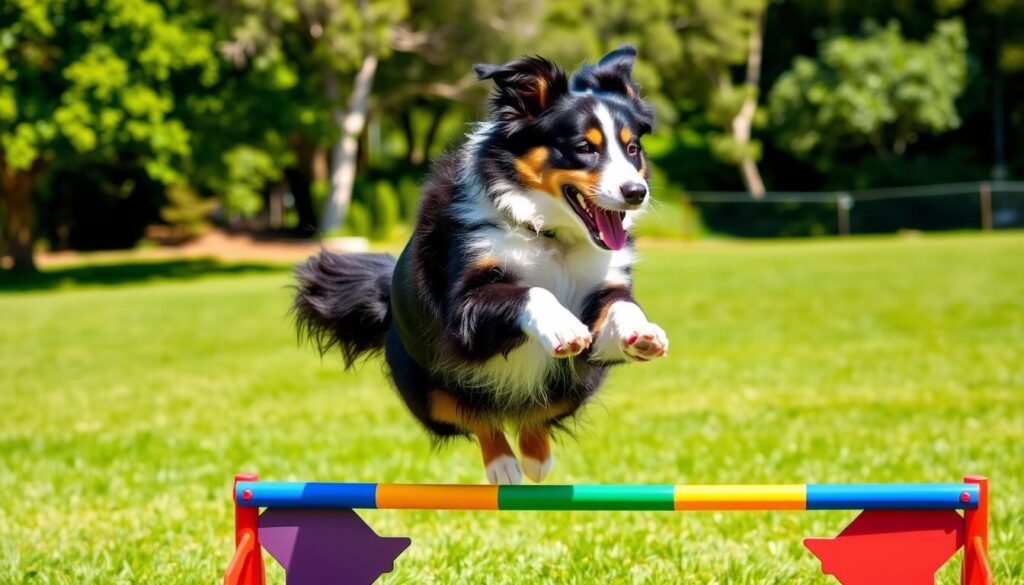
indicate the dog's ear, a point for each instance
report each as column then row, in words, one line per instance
column 614, row 74
column 525, row 89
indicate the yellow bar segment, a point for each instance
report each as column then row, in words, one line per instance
column 741, row 497
column 436, row 497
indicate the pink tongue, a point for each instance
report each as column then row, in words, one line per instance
column 609, row 224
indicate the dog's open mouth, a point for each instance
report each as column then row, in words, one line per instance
column 605, row 225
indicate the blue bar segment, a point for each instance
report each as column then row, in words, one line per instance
column 289, row 494
column 896, row 496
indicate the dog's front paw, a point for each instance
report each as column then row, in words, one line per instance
column 626, row 334
column 559, row 331
column 645, row 342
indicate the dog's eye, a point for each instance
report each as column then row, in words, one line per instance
column 633, row 149
column 584, row 147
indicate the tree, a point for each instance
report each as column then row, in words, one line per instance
column 91, row 81
column 333, row 46
column 691, row 51
column 882, row 90
column 736, row 109
column 430, row 75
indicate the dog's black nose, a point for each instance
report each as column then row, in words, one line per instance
column 634, row 193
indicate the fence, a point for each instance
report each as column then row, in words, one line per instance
column 845, row 201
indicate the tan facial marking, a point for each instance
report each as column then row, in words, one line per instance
column 625, row 135
column 595, row 136
column 534, row 175
column 531, row 165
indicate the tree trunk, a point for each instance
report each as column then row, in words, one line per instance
column 300, row 182
column 351, row 122
column 16, row 193
column 363, row 158
column 744, row 120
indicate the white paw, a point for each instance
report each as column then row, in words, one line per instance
column 504, row 471
column 645, row 342
column 557, row 329
column 626, row 333
column 535, row 469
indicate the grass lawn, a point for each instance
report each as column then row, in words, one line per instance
column 129, row 397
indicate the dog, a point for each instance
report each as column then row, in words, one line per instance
column 513, row 296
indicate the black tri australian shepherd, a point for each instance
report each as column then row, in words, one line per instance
column 513, row 296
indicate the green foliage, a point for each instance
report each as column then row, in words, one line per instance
column 317, row 47
column 248, row 171
column 409, row 197
column 386, row 210
column 722, row 107
column 670, row 215
column 96, row 81
column 320, row 190
column 224, row 96
column 358, row 220
column 881, row 89
column 187, row 212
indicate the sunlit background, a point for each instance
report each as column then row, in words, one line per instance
column 835, row 252
column 134, row 123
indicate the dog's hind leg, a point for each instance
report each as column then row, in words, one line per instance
column 535, row 448
column 535, row 441
column 499, row 460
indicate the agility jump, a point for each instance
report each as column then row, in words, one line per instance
column 904, row 534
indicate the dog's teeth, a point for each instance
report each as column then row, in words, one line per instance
column 583, row 202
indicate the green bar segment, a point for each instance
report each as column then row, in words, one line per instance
column 586, row 497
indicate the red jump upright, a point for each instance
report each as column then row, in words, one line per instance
column 246, row 566
column 976, row 569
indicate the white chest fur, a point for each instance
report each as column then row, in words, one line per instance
column 571, row 271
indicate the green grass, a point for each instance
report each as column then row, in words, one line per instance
column 129, row 400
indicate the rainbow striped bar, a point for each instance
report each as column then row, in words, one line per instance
column 390, row 496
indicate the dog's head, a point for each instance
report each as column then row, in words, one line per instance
column 572, row 146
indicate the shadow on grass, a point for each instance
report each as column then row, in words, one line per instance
column 128, row 273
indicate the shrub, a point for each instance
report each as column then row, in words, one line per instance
column 386, row 211
column 409, row 196
column 358, row 221
column 187, row 213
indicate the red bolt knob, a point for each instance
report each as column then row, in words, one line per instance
column 965, row 497
column 247, row 495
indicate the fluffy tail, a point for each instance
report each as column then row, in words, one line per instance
column 343, row 300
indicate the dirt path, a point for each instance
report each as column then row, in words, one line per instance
column 217, row 244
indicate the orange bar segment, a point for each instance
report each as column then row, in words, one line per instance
column 396, row 496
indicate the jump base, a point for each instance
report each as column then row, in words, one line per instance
column 904, row 534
